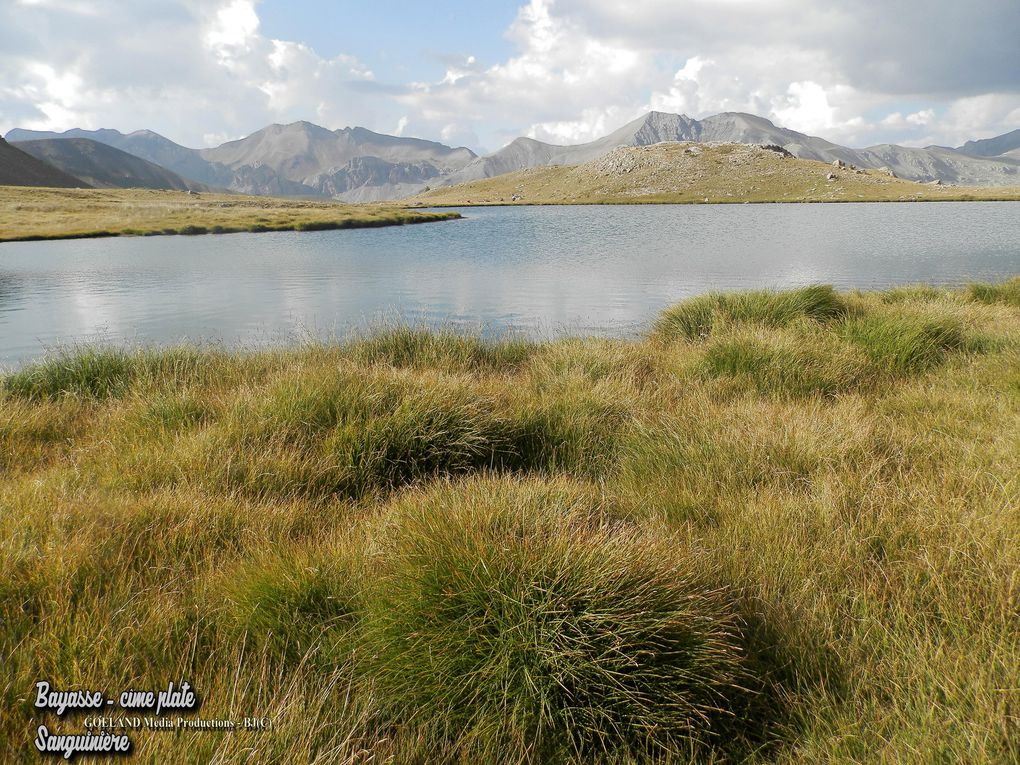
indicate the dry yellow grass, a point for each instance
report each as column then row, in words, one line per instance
column 801, row 509
column 40, row 213
column 699, row 173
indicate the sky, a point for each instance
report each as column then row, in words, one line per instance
column 479, row 74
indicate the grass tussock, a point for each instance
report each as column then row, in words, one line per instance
column 505, row 623
column 697, row 317
column 813, row 341
column 787, row 364
column 295, row 605
column 95, row 373
column 1007, row 293
column 905, row 344
column 447, row 350
column 783, row 528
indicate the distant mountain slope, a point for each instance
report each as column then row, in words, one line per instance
column 300, row 159
column 105, row 167
column 693, row 172
column 18, row 168
column 353, row 164
column 301, row 149
column 358, row 165
column 929, row 164
column 1007, row 144
column 145, row 144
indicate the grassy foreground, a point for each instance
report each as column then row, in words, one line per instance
column 34, row 213
column 783, row 528
column 686, row 173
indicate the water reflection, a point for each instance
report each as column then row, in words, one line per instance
column 605, row 270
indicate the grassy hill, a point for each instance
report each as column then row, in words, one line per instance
column 697, row 173
column 68, row 214
column 783, row 528
column 20, row 169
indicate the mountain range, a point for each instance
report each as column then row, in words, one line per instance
column 297, row 160
column 973, row 164
column 358, row 165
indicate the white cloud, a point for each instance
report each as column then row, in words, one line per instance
column 232, row 29
column 853, row 72
column 562, row 84
column 806, row 107
column 192, row 69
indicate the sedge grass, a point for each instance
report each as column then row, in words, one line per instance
column 788, row 535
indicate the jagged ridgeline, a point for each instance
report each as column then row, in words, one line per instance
column 300, row 160
column 358, row 165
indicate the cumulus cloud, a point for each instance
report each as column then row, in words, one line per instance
column 562, row 84
column 853, row 71
column 194, row 70
column 585, row 67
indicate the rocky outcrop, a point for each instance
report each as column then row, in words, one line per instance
column 261, row 180
column 364, row 179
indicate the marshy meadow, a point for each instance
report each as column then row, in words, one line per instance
column 780, row 528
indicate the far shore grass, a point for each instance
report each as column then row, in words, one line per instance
column 684, row 173
column 780, row 529
column 28, row 214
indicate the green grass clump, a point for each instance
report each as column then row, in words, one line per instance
column 444, row 349
column 921, row 293
column 100, row 373
column 511, row 622
column 295, row 605
column 348, row 433
column 906, row 344
column 90, row 373
column 573, row 429
column 697, row 317
column 436, row 431
column 175, row 412
column 1007, row 292
column 787, row 364
column 351, row 432
column 690, row 320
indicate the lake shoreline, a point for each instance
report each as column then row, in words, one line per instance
column 223, row 230
column 43, row 214
column 1014, row 197
column 541, row 271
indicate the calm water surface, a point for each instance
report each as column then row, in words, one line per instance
column 540, row 271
